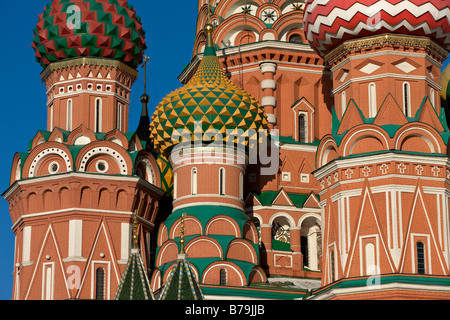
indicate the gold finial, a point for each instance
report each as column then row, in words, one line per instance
column 145, row 98
column 182, row 240
column 135, row 230
column 209, row 29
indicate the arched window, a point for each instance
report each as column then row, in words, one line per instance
column 281, row 234
column 98, row 115
column 295, row 38
column 100, row 284
column 119, row 116
column 407, row 99
column 222, row 181
column 370, row 259
column 372, row 100
column 223, row 277
column 69, row 115
column 343, row 102
column 194, row 181
column 302, row 128
column 420, row 257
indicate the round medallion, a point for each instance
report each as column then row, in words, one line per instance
column 269, row 16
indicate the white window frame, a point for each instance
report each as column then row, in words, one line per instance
column 119, row 116
column 48, row 280
column 372, row 99
column 98, row 114
column 305, row 116
column 406, row 99
column 194, row 177
column 69, row 116
column 343, row 102
column 222, row 174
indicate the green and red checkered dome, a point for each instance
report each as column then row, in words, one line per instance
column 89, row 28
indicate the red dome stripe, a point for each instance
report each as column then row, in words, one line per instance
column 328, row 23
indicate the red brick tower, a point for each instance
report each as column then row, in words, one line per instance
column 383, row 170
column 73, row 192
column 263, row 49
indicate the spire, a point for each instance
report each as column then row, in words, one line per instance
column 142, row 131
column 134, row 284
column 181, row 283
column 182, row 253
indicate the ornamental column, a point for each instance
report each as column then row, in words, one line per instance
column 268, row 87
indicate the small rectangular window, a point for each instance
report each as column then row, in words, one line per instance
column 420, row 258
column 194, row 181
column 286, row 176
column 222, row 181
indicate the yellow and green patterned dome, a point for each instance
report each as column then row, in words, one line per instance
column 445, row 84
column 209, row 98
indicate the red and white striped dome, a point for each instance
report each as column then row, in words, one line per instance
column 330, row 22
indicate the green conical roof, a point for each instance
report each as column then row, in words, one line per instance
column 181, row 283
column 134, row 284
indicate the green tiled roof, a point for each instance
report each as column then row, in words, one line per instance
column 204, row 213
column 181, row 283
column 134, row 284
column 166, row 176
column 386, row 279
column 390, row 129
column 266, row 198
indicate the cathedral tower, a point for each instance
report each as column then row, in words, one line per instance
column 74, row 191
column 263, row 49
column 383, row 170
column 198, row 128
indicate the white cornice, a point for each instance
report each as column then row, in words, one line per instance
column 387, row 75
column 90, row 176
column 378, row 158
column 94, row 92
column 383, row 53
column 73, row 211
column 77, row 80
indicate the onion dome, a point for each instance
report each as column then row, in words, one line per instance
column 79, row 28
column 445, row 84
column 209, row 98
column 328, row 23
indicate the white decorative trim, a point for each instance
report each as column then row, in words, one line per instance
column 45, row 153
column 386, row 75
column 268, row 84
column 268, row 101
column 120, row 160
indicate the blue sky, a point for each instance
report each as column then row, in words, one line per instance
column 170, row 35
